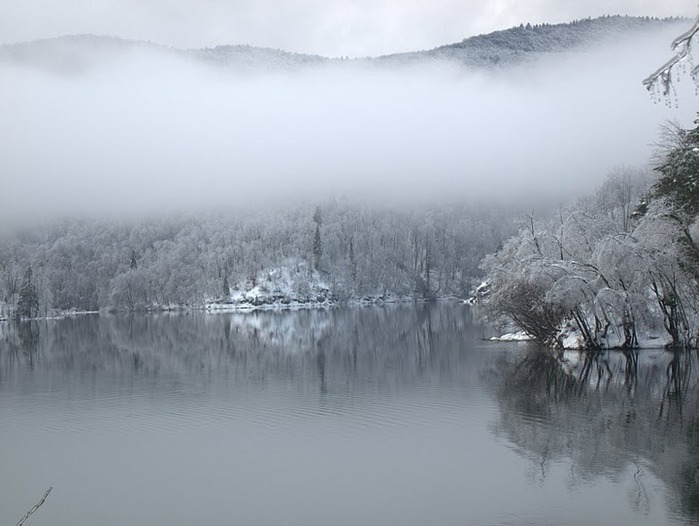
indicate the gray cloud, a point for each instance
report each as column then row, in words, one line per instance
column 327, row 27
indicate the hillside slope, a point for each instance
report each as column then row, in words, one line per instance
column 77, row 53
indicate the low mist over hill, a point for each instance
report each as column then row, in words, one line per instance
column 501, row 48
column 526, row 42
column 100, row 125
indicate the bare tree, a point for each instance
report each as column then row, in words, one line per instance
column 620, row 194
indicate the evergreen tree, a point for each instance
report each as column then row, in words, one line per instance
column 317, row 248
column 134, row 263
column 352, row 261
column 317, row 241
column 28, row 306
column 679, row 169
column 317, row 217
column 226, row 286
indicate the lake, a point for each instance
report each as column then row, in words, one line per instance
column 396, row 415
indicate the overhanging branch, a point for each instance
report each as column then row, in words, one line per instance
column 682, row 47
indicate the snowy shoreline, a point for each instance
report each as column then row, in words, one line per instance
column 574, row 341
column 246, row 307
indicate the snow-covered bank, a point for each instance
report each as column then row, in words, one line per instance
column 570, row 338
column 244, row 306
column 286, row 303
column 298, row 286
column 520, row 336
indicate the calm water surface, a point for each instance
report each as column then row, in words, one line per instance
column 361, row 416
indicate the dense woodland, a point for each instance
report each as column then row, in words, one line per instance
column 618, row 266
column 614, row 269
column 189, row 260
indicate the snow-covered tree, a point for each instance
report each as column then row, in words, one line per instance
column 186, row 260
column 678, row 166
column 521, row 274
column 605, row 272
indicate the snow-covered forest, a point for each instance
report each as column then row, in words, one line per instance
column 619, row 266
column 433, row 134
column 333, row 252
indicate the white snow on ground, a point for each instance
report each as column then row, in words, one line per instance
column 520, row 336
column 294, row 285
column 570, row 338
column 291, row 286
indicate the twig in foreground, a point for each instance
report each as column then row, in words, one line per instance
column 36, row 507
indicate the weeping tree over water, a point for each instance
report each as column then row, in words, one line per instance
column 608, row 278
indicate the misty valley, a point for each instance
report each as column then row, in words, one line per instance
column 241, row 285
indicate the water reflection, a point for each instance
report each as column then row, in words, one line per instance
column 313, row 417
column 606, row 413
column 323, row 348
column 20, row 343
column 346, row 416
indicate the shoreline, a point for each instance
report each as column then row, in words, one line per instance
column 244, row 307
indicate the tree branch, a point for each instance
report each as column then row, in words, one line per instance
column 36, row 507
column 681, row 45
column 685, row 37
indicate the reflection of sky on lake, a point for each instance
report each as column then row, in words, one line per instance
column 346, row 416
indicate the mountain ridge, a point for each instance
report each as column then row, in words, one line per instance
column 518, row 43
column 504, row 47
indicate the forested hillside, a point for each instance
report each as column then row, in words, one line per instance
column 155, row 143
column 527, row 42
column 78, row 53
column 165, row 262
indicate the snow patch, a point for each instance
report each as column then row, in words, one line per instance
column 294, row 285
column 520, row 336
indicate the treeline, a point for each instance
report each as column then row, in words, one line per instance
column 516, row 44
column 189, row 260
column 619, row 265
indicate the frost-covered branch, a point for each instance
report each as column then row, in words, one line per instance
column 36, row 507
column 682, row 47
column 686, row 37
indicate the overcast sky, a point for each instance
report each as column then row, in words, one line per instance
column 326, row 27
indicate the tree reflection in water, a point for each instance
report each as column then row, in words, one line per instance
column 314, row 349
column 605, row 413
column 608, row 415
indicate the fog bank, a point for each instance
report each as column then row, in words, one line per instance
column 151, row 132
